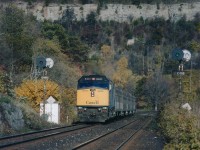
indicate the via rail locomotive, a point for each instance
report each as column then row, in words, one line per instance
column 98, row 100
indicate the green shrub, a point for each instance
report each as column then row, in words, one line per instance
column 4, row 99
column 179, row 127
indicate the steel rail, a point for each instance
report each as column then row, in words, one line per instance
column 94, row 139
column 35, row 132
column 41, row 137
column 134, row 133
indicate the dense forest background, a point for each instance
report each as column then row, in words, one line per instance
column 135, row 55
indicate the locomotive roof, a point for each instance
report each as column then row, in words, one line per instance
column 94, row 78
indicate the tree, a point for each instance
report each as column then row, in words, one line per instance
column 65, row 73
column 106, row 61
column 71, row 45
column 122, row 74
column 68, row 103
column 139, row 90
column 17, row 34
column 77, row 50
column 55, row 31
column 157, row 90
column 36, row 91
column 46, row 47
column 68, row 19
column 91, row 29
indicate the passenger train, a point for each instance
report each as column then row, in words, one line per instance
column 98, row 100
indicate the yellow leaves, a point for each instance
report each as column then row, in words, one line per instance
column 122, row 74
column 106, row 52
column 106, row 61
column 38, row 90
column 122, row 63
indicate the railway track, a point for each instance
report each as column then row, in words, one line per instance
column 123, row 144
column 106, row 139
column 14, row 141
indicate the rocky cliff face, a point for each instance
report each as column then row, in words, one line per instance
column 11, row 118
column 13, row 115
column 117, row 12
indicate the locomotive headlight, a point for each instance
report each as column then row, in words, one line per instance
column 104, row 109
column 80, row 110
column 92, row 94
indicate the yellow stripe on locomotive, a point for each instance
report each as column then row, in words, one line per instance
column 92, row 97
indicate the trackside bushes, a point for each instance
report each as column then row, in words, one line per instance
column 180, row 128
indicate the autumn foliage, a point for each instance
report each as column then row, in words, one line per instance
column 122, row 74
column 34, row 91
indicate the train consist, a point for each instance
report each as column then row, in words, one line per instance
column 98, row 100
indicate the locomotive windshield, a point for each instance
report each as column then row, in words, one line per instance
column 93, row 81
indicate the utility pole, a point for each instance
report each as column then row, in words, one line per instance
column 45, row 78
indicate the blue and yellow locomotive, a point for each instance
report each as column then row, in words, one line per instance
column 98, row 100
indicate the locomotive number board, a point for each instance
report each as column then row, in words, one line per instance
column 93, row 79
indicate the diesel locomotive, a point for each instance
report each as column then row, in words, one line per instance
column 98, row 100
